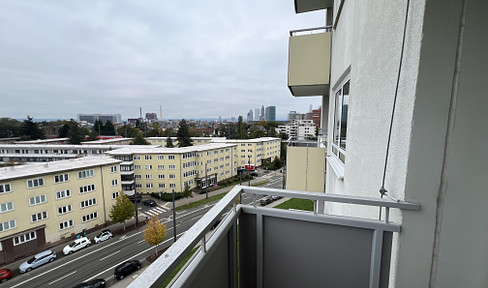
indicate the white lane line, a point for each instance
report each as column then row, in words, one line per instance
column 195, row 218
column 151, row 213
column 139, row 242
column 61, row 278
column 108, row 256
column 161, row 210
column 69, row 262
column 138, row 254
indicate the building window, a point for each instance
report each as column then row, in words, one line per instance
column 172, row 185
column 37, row 200
column 147, row 157
column 32, row 183
column 87, row 188
column 89, row 217
column 160, row 157
column 39, row 216
column 86, row 174
column 137, row 176
column 162, row 185
column 65, row 209
column 63, row 194
column 160, row 176
column 7, row 225
column 340, row 121
column 171, row 157
column 113, row 169
column 24, row 238
column 137, row 167
column 137, row 157
column 171, row 167
column 160, row 167
column 66, row 224
column 61, row 178
column 88, row 203
column 5, row 207
column 149, row 185
column 149, row 176
column 138, row 186
column 115, row 182
column 148, row 167
column 115, row 195
column 5, row 188
column 172, row 176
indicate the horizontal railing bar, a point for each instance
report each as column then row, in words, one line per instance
column 328, row 197
column 326, row 28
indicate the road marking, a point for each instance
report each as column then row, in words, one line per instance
column 108, row 256
column 151, row 213
column 160, row 210
column 61, row 278
column 84, row 255
column 150, row 248
column 141, row 241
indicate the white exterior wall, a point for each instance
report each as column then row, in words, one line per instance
column 438, row 152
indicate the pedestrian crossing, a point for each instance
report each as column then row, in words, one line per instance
column 155, row 211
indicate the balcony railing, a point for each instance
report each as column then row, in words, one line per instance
column 263, row 247
column 309, row 61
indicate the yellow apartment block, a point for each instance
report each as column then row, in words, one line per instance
column 196, row 140
column 156, row 169
column 45, row 202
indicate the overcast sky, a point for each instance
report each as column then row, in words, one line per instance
column 198, row 59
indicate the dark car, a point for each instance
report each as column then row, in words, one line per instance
column 266, row 200
column 215, row 224
column 95, row 283
column 150, row 202
column 5, row 274
column 126, row 268
column 135, row 198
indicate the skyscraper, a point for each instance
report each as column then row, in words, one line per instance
column 261, row 116
column 271, row 113
column 256, row 114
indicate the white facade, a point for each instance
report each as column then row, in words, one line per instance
column 298, row 129
column 437, row 155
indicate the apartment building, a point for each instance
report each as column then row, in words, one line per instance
column 298, row 129
column 156, row 169
column 50, row 152
column 46, row 202
column 196, row 140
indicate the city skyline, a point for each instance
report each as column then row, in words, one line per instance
column 65, row 58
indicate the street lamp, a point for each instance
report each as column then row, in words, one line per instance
column 206, row 182
column 249, row 169
column 174, row 216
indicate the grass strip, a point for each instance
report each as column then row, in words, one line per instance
column 298, row 204
column 178, row 268
column 202, row 202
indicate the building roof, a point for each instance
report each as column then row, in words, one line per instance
column 34, row 169
column 42, row 141
column 151, row 149
column 102, row 141
column 255, row 140
column 60, row 146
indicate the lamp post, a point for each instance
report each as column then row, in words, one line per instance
column 249, row 169
column 174, row 216
column 206, row 182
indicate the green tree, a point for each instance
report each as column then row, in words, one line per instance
column 31, row 130
column 128, row 131
column 139, row 140
column 187, row 193
column 98, row 127
column 241, row 129
column 63, row 131
column 183, row 134
column 169, row 142
column 155, row 232
column 108, row 128
column 9, row 127
column 122, row 210
column 75, row 134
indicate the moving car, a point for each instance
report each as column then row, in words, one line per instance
column 150, row 202
column 126, row 268
column 95, row 283
column 76, row 245
column 38, row 260
column 5, row 274
column 104, row 235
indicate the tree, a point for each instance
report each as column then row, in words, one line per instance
column 98, row 127
column 108, row 128
column 31, row 130
column 155, row 232
column 75, row 133
column 169, row 142
column 187, row 193
column 63, row 131
column 9, row 127
column 183, row 134
column 128, row 131
column 139, row 140
column 241, row 129
column 122, row 210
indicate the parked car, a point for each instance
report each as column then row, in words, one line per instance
column 5, row 274
column 95, row 283
column 150, row 202
column 76, row 245
column 265, row 201
column 216, row 224
column 275, row 197
column 38, row 260
column 104, row 235
column 135, row 198
column 126, row 268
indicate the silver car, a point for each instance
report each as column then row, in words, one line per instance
column 104, row 235
column 38, row 260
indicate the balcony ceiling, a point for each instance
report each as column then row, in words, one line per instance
column 312, row 5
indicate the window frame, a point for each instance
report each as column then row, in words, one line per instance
column 339, row 129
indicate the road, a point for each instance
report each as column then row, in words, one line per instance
column 99, row 260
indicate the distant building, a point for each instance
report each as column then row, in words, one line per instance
column 316, row 116
column 152, row 117
column 270, row 113
column 298, row 129
column 261, row 116
column 250, row 116
column 91, row 118
column 256, row 114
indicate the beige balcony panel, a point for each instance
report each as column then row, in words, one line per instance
column 305, row 168
column 312, row 5
column 309, row 64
